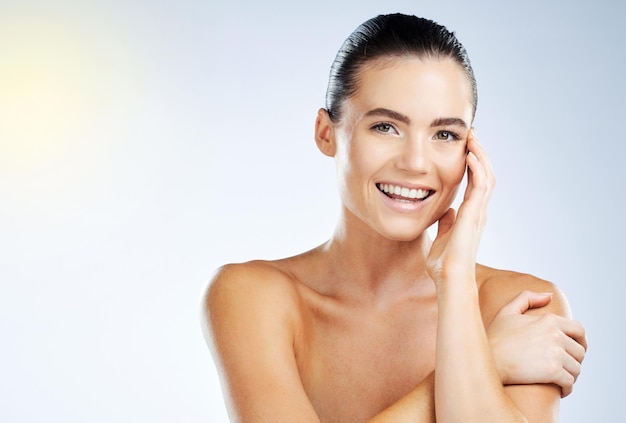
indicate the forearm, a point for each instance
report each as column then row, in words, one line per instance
column 418, row 406
column 467, row 385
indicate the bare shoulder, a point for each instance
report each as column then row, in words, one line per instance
column 262, row 277
column 251, row 321
column 498, row 287
column 249, row 288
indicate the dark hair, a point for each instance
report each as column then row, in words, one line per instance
column 394, row 35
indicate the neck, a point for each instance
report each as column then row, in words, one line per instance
column 365, row 265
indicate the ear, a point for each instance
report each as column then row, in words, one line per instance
column 325, row 133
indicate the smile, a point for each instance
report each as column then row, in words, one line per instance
column 404, row 194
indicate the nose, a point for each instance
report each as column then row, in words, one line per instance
column 415, row 156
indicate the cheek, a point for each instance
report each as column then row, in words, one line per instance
column 350, row 167
column 454, row 167
column 359, row 160
column 460, row 169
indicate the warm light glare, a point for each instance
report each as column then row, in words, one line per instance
column 48, row 92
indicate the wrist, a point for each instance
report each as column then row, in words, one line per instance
column 457, row 285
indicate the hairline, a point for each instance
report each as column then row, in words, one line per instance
column 390, row 59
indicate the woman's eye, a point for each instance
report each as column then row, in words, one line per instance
column 446, row 136
column 384, row 128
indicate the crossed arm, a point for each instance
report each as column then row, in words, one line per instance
column 250, row 325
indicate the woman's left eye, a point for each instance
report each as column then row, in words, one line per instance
column 446, row 136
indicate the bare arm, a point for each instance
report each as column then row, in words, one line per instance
column 416, row 407
column 249, row 324
column 467, row 383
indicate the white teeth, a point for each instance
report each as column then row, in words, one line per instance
column 413, row 193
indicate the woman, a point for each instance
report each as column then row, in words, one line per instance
column 380, row 323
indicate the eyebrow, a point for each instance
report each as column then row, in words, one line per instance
column 448, row 121
column 390, row 114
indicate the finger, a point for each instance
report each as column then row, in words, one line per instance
column 482, row 173
column 478, row 190
column 477, row 174
column 571, row 365
column 570, row 328
column 479, row 187
column 575, row 349
column 475, row 159
column 476, row 147
column 566, row 391
column 468, row 188
column 566, row 381
column 576, row 331
column 476, row 193
column 571, row 371
column 526, row 300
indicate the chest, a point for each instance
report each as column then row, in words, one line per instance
column 355, row 363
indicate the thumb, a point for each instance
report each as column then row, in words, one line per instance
column 526, row 300
column 445, row 222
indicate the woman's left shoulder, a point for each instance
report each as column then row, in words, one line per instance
column 498, row 287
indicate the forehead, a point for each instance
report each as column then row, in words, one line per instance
column 419, row 88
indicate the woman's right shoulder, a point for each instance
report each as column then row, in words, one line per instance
column 252, row 321
column 252, row 288
column 254, row 278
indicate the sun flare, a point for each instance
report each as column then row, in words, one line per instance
column 48, row 92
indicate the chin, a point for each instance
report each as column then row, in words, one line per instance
column 403, row 233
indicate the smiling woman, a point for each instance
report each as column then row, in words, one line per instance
column 381, row 323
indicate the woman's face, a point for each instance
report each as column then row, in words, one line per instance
column 400, row 145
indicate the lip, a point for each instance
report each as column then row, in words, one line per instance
column 408, row 206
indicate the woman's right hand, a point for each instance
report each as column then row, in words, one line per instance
column 536, row 348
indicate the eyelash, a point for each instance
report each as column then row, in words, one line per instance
column 378, row 127
column 384, row 128
column 454, row 135
column 388, row 126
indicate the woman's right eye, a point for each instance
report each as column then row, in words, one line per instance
column 384, row 128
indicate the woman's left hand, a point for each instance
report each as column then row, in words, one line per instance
column 539, row 348
column 453, row 253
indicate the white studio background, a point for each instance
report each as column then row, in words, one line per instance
column 145, row 143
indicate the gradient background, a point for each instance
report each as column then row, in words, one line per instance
column 145, row 143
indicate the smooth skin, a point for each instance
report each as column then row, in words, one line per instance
column 380, row 323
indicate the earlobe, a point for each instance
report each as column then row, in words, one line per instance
column 325, row 133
